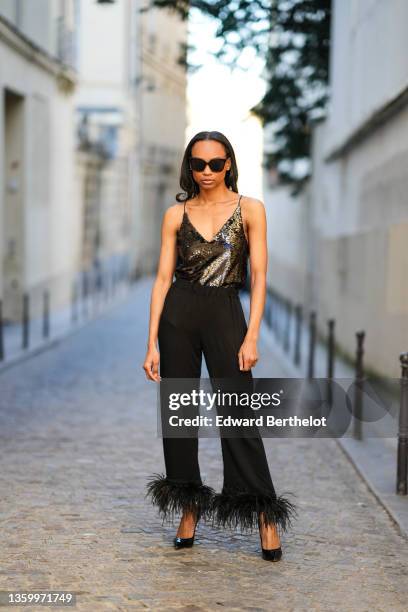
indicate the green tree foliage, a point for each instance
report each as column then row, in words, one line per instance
column 294, row 38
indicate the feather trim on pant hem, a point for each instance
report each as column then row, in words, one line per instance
column 238, row 509
column 172, row 497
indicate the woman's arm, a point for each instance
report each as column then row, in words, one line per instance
column 162, row 283
column 258, row 257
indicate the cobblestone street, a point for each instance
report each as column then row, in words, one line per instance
column 78, row 442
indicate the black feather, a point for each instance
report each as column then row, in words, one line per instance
column 238, row 509
column 173, row 498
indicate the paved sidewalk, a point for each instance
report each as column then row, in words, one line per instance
column 375, row 458
column 78, row 440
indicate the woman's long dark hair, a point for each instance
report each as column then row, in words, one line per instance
column 188, row 184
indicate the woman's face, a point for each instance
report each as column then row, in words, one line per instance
column 209, row 149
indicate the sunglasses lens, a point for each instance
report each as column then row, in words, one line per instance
column 197, row 164
column 217, row 165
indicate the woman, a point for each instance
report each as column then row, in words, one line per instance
column 206, row 241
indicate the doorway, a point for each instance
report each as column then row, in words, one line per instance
column 13, row 195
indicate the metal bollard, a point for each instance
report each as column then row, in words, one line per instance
column 1, row 332
column 106, row 284
column 25, row 321
column 74, row 302
column 276, row 317
column 276, row 304
column 298, row 333
column 358, row 393
column 267, row 312
column 312, row 344
column 280, row 318
column 402, row 452
column 330, row 348
column 273, row 311
column 46, row 313
column 113, row 275
column 288, row 306
column 84, row 293
column 330, row 359
column 94, row 290
column 110, row 284
column 268, row 308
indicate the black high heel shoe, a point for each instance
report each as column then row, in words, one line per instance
column 270, row 554
column 185, row 542
column 274, row 554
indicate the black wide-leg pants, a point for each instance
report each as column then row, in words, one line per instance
column 208, row 321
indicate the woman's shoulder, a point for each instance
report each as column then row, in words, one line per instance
column 174, row 210
column 173, row 215
column 251, row 206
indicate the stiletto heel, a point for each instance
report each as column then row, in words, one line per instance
column 185, row 542
column 270, row 554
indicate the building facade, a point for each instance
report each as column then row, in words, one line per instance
column 108, row 126
column 163, row 108
column 341, row 247
column 131, row 118
column 360, row 208
column 37, row 219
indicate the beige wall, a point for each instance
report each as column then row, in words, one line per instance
column 341, row 246
column 107, row 94
column 46, row 239
column 103, row 197
column 360, row 218
column 343, row 243
column 287, row 237
column 163, row 121
column 49, row 24
column 368, row 63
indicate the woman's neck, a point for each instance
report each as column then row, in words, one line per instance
column 217, row 195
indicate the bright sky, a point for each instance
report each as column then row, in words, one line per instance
column 219, row 99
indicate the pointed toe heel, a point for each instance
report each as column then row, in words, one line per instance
column 186, row 542
column 274, row 554
column 183, row 542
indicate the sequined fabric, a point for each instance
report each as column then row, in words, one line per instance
column 219, row 262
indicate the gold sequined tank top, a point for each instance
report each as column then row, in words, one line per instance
column 220, row 262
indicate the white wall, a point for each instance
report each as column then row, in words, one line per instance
column 351, row 225
column 108, row 50
column 50, row 221
column 163, row 122
column 103, row 40
column 46, row 23
column 359, row 204
column 287, row 241
column 108, row 46
column 368, row 63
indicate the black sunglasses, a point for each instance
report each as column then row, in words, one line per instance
column 216, row 164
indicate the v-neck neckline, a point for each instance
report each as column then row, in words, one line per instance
column 221, row 228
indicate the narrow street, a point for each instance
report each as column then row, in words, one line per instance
column 78, row 442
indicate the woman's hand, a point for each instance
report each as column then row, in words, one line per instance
column 151, row 364
column 248, row 354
